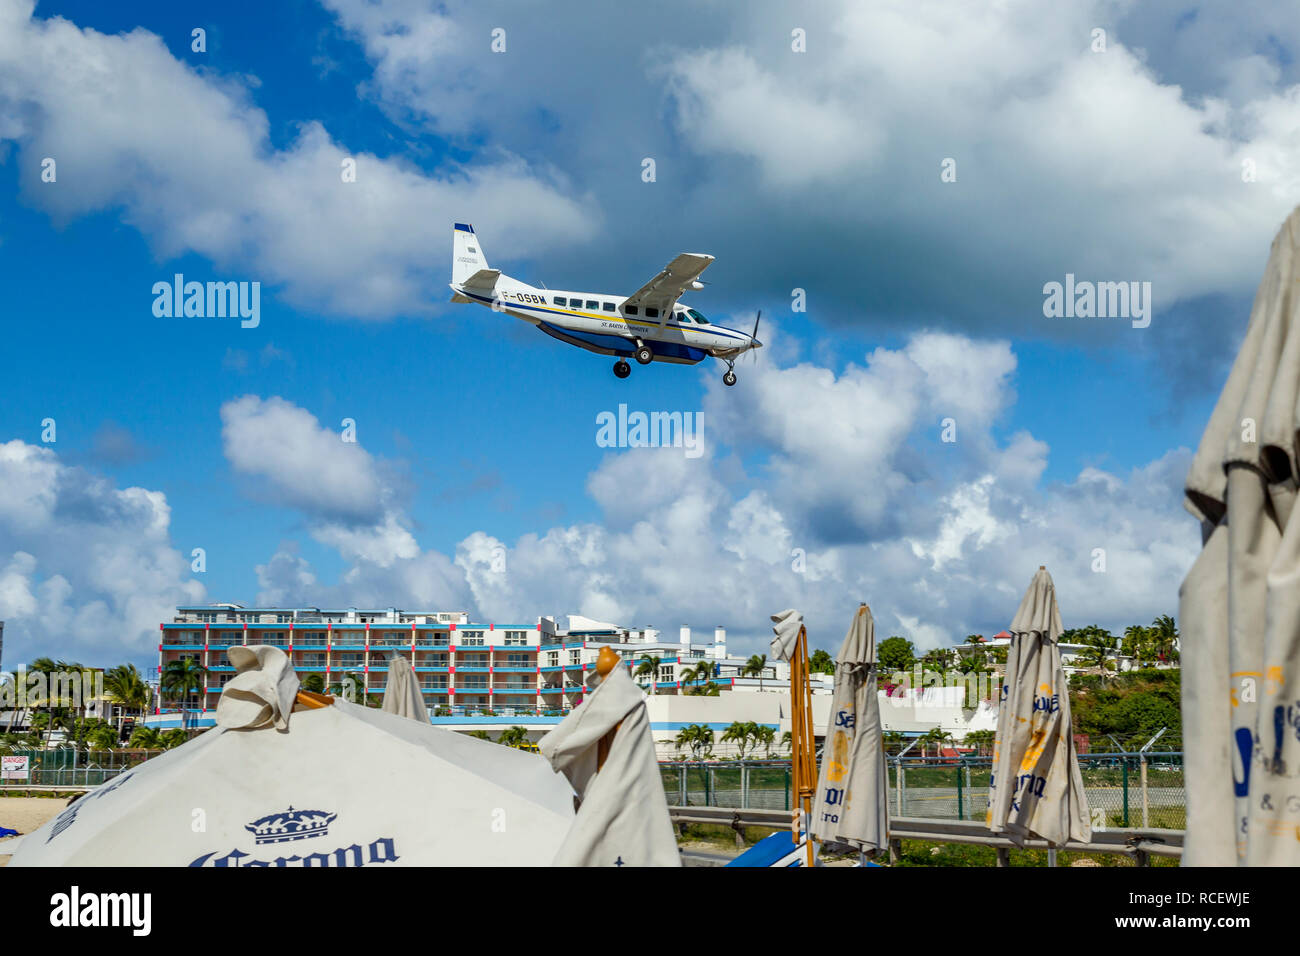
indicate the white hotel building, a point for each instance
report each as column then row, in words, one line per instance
column 487, row 676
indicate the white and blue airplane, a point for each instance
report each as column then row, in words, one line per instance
column 649, row 325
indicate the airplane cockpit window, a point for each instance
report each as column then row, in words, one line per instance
column 697, row 317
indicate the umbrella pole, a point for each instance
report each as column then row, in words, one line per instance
column 803, row 770
column 605, row 664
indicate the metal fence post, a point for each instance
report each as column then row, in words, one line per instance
column 959, row 782
column 787, row 786
column 1123, row 762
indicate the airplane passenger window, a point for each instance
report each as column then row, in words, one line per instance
column 593, row 305
column 651, row 313
column 630, row 309
column 560, row 300
column 609, row 307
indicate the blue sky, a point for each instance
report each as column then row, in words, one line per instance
column 817, row 170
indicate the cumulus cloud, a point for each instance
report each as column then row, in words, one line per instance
column 87, row 569
column 856, row 498
column 353, row 504
column 186, row 157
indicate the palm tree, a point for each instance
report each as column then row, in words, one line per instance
column 975, row 639
column 1098, row 651
column 787, row 741
column 937, row 736
column 1165, row 637
column 102, row 736
column 981, row 740
column 754, row 667
column 47, row 667
column 125, row 686
column 697, row 737
column 892, row 738
column 740, row 733
column 351, row 687
column 480, row 734
column 173, row 738
column 766, row 736
column 700, row 672
column 513, row 737
column 147, row 738
column 648, row 666
column 315, row 683
column 182, row 679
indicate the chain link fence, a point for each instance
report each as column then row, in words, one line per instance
column 1120, row 791
column 73, row 768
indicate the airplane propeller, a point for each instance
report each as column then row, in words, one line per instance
column 754, row 335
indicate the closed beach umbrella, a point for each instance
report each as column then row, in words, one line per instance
column 1239, row 609
column 1036, row 789
column 852, row 803
column 605, row 749
column 337, row 785
column 402, row 694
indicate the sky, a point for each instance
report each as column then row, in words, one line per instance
column 893, row 184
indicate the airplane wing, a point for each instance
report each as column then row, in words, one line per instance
column 663, row 291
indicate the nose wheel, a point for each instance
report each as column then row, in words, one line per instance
column 730, row 377
column 622, row 369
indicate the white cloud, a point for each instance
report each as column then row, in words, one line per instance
column 187, row 158
column 87, row 569
column 949, row 550
column 353, row 505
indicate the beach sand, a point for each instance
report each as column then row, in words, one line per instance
column 26, row 814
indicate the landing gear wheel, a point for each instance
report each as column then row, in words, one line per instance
column 729, row 378
column 644, row 354
column 622, row 369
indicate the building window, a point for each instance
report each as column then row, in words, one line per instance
column 553, row 659
column 575, row 657
column 516, row 639
column 283, row 618
column 471, row 638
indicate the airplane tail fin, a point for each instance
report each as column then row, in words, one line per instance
column 466, row 254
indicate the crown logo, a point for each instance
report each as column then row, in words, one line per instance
column 291, row 825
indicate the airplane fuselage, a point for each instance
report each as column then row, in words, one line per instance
column 601, row 314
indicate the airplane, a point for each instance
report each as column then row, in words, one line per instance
column 650, row 325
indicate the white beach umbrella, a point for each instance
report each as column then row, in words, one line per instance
column 623, row 819
column 338, row 785
column 402, row 693
column 852, row 804
column 1239, row 609
column 1036, row 788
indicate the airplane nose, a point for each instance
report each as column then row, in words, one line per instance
column 755, row 344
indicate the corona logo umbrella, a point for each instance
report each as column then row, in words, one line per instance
column 606, row 750
column 292, row 779
column 1239, row 607
column 852, row 803
column 1036, row 788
